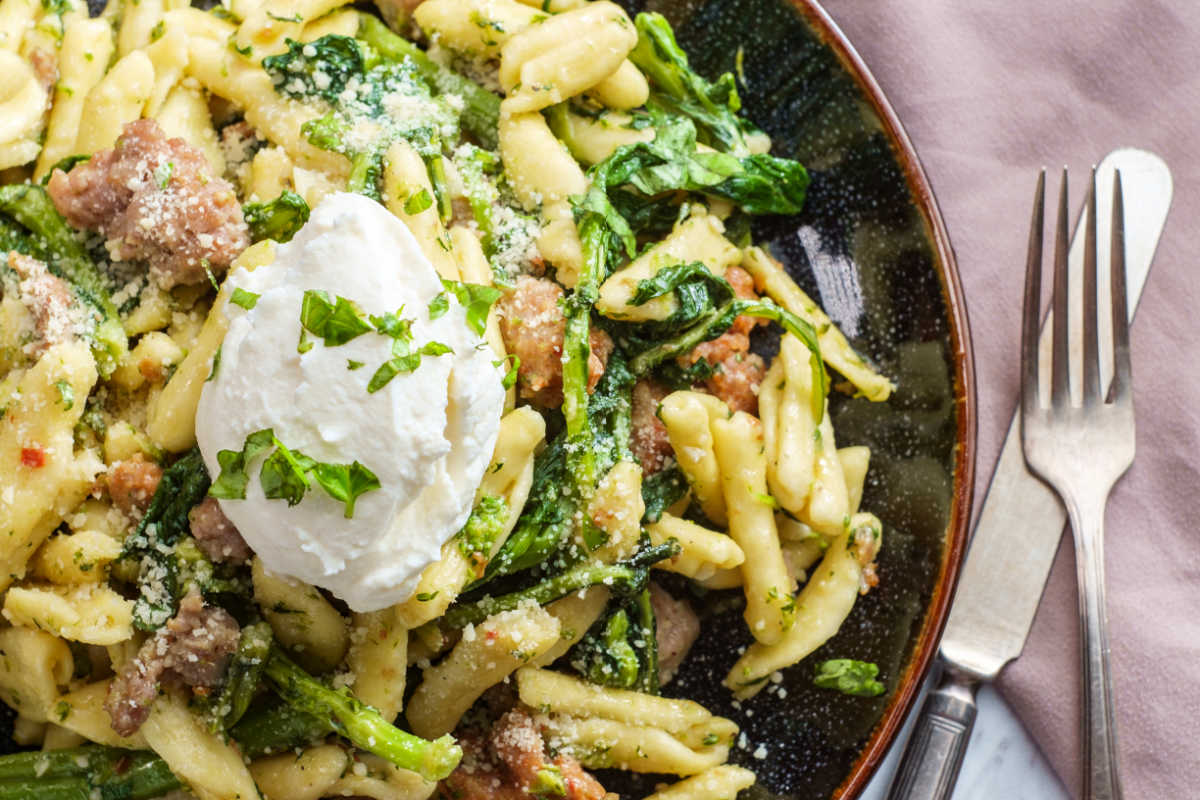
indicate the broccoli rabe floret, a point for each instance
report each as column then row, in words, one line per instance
column 278, row 219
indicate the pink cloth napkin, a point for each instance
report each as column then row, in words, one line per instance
column 991, row 90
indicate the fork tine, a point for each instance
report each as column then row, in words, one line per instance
column 1032, row 309
column 1091, row 350
column 1060, row 373
column 1122, row 370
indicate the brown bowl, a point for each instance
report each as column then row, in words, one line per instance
column 872, row 247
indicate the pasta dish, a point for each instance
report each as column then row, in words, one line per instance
column 377, row 397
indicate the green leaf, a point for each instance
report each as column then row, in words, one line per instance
column 393, row 326
column 278, row 219
column 849, row 677
column 403, row 361
column 162, row 174
column 322, row 68
column 231, row 483
column 438, row 306
column 351, row 364
column 476, row 299
column 245, row 299
column 345, row 482
column 514, row 369
column 284, row 475
column 661, row 490
column 66, row 393
column 418, row 202
column 335, row 322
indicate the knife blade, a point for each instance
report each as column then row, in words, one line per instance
column 1019, row 527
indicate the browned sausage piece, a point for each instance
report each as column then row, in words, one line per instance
column 57, row 316
column 532, row 324
column 216, row 535
column 648, row 437
column 677, row 628
column 156, row 200
column 132, row 483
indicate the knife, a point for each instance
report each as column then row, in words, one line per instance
column 1019, row 528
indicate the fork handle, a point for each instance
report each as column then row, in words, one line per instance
column 1101, row 776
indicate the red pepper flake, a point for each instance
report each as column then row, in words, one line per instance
column 491, row 636
column 33, row 457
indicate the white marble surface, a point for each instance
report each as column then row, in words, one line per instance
column 1002, row 762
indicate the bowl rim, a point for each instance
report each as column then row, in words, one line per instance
column 925, row 650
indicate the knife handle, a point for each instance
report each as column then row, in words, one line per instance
column 934, row 754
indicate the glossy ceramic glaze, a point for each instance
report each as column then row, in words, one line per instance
column 871, row 246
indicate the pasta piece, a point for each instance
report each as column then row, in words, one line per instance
column 575, row 614
column 312, row 185
column 60, row 738
column 76, row 558
column 557, row 693
column 624, row 89
column 28, row 732
column 723, row 579
column 603, row 743
column 301, row 618
column 474, row 267
column 91, row 613
column 829, row 503
column 270, row 174
column 686, row 416
column 22, row 107
column 171, row 416
column 593, row 139
column 487, row 654
column 770, row 607
column 555, row 6
column 169, row 55
column 279, row 119
column 542, row 173
column 43, row 478
column 510, row 477
column 405, row 178
column 381, row 780
column 33, row 664
column 378, row 660
column 617, row 509
column 213, row 769
column 855, row 461
column 703, row 553
column 790, row 435
column 198, row 24
column 718, row 783
column 184, row 114
column 82, row 711
column 697, row 239
column 567, row 54
column 343, row 22
column 16, row 17
column 822, row 607
column 475, row 27
column 307, row 776
column 835, row 350
column 138, row 18
column 268, row 26
column 118, row 98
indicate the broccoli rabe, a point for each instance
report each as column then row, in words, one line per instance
column 40, row 231
column 83, row 772
column 361, row 724
column 621, row 649
column 849, row 676
column 278, row 219
column 322, row 68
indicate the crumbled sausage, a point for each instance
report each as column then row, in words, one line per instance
column 216, row 535
column 677, row 627
column 155, row 199
column 57, row 315
column 45, row 68
column 532, row 324
column 194, row 647
column 132, row 483
column 507, row 766
column 737, row 372
column 648, row 437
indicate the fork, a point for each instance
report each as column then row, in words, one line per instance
column 1080, row 445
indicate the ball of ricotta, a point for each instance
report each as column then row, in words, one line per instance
column 427, row 435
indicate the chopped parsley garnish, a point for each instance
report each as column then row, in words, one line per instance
column 849, row 677
column 162, row 174
column 418, row 202
column 438, row 306
column 404, row 359
column 288, row 474
column 245, row 299
column 476, row 299
column 336, row 321
column 66, row 393
column 510, row 377
column 351, row 364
